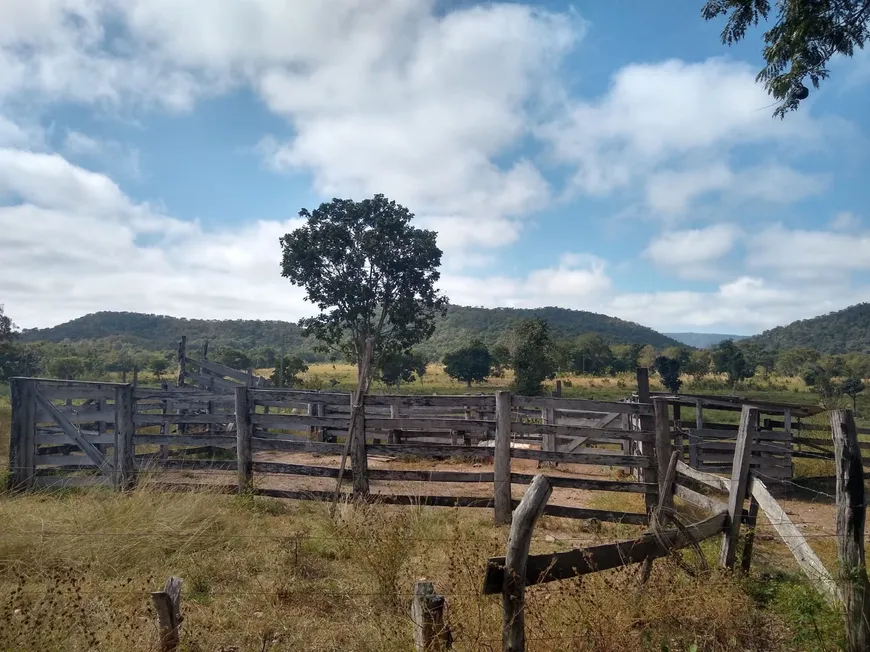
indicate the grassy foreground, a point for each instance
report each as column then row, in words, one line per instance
column 76, row 570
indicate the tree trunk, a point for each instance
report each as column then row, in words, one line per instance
column 468, row 384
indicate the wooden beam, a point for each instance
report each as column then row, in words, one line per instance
column 502, row 458
column 244, row 433
column 70, row 431
column 581, row 404
column 125, row 430
column 739, row 482
column 563, row 565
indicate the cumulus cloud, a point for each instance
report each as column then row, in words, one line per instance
column 693, row 253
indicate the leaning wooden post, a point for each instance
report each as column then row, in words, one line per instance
column 528, row 512
column 502, row 458
column 244, row 432
column 427, row 617
column 739, row 483
column 167, row 603
column 664, row 449
column 22, row 436
column 751, row 522
column 852, row 572
column 125, row 431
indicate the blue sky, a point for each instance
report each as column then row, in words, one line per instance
column 612, row 157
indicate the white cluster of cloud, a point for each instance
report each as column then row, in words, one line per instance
column 394, row 96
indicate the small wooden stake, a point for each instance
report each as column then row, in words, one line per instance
column 427, row 616
column 852, row 573
column 525, row 516
column 167, row 603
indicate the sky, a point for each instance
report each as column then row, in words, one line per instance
column 612, row 157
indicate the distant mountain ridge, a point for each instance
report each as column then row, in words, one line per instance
column 160, row 332
column 703, row 340
column 843, row 331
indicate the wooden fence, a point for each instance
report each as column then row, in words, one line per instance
column 82, row 433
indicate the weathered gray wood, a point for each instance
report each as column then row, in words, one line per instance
column 646, row 449
column 751, row 521
column 68, row 482
column 523, row 522
column 502, row 458
column 427, row 618
column 700, row 500
column 210, row 382
column 581, row 404
column 299, row 396
column 221, row 370
column 299, row 422
column 77, row 416
column 714, row 481
column 62, row 461
column 580, row 431
column 584, row 483
column 167, row 604
column 664, row 448
column 454, row 401
column 563, row 565
column 852, row 580
column 159, row 419
column 70, row 430
column 603, row 515
column 244, row 432
column 665, row 507
column 156, row 395
column 411, row 423
column 22, row 435
column 50, row 437
column 73, row 389
column 806, row 558
column 125, row 430
column 221, row 441
column 739, row 482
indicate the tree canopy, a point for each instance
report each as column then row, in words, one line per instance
column 532, row 357
column 669, row 371
column 370, row 273
column 470, row 364
column 804, row 37
column 11, row 357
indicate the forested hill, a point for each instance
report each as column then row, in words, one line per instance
column 156, row 332
column 844, row 331
column 704, row 340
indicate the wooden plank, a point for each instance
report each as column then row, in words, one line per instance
column 159, row 419
column 223, row 441
column 585, row 483
column 502, row 458
column 69, row 482
column 220, row 370
column 144, row 395
column 299, row 396
column 64, row 461
column 854, row 588
column 244, row 435
column 714, row 481
column 260, row 444
column 76, row 415
column 75, row 389
column 525, row 517
column 59, row 438
column 581, row 431
column 604, row 515
column 456, row 401
column 778, row 449
column 806, row 558
column 410, row 423
column 297, row 421
column 646, row 449
column 211, row 382
column 125, row 431
column 558, row 566
column 580, row 404
column 86, row 447
column 700, row 500
column 739, row 482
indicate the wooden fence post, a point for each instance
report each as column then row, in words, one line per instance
column 664, row 448
column 22, row 436
column 751, row 522
column 663, row 509
column 427, row 617
column 135, row 375
column 502, row 458
column 852, row 572
column 182, row 355
column 647, row 449
column 513, row 590
column 244, row 432
column 167, row 603
column 125, row 430
column 739, row 484
column 359, row 461
column 558, row 391
column 394, row 436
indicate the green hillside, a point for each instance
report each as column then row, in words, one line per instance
column 157, row 332
column 844, row 331
column 703, row 340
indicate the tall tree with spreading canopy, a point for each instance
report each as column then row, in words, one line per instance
column 532, row 357
column 729, row 359
column 669, row 371
column 851, row 387
column 470, row 364
column 370, row 273
column 804, row 37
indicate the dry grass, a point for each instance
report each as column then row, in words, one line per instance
column 76, row 570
